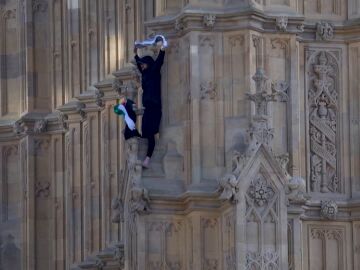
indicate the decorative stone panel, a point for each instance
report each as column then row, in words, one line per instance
column 327, row 246
column 164, row 242
column 323, row 82
column 210, row 243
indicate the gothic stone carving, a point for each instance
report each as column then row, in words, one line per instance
column 324, row 31
column 98, row 98
column 19, row 127
column 323, row 110
column 332, row 242
column 259, row 131
column 260, row 190
column 39, row 6
column 261, row 199
column 281, row 23
column 100, row 264
column 266, row 260
column 300, row 27
column 211, row 264
column 238, row 162
column 139, row 202
column 179, row 25
column 132, row 146
column 166, row 231
column 42, row 189
column 296, row 190
column 283, row 161
column 120, row 255
column 62, row 118
column 8, row 13
column 329, row 209
column 209, row 20
column 40, row 126
column 230, row 260
column 327, row 233
column 208, row 90
column 118, row 210
column 228, row 188
column 117, row 85
column 279, row 90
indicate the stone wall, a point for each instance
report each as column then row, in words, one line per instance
column 258, row 96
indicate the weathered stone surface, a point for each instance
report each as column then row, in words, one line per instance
column 257, row 162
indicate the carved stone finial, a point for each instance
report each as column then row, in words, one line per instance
column 324, row 31
column 228, row 188
column 259, row 131
column 329, row 209
column 209, row 20
column 281, row 23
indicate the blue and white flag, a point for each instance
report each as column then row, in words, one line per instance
column 151, row 42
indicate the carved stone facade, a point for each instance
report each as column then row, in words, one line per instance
column 257, row 162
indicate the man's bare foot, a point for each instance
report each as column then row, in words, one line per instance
column 146, row 162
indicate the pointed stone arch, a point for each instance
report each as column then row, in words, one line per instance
column 261, row 213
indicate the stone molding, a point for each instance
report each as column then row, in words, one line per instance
column 112, row 257
column 124, row 82
column 57, row 121
column 260, row 21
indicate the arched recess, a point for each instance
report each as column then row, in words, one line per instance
column 261, row 214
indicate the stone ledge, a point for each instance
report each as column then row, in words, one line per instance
column 189, row 20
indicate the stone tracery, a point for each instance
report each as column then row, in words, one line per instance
column 323, row 110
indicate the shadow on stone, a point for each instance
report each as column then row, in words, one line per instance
column 10, row 255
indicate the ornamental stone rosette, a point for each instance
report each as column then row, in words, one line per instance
column 329, row 209
column 261, row 191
